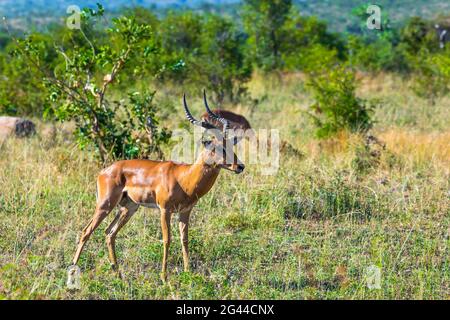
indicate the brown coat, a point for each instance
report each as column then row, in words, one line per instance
column 236, row 121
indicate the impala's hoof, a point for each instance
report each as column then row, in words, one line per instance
column 73, row 278
column 164, row 277
column 115, row 268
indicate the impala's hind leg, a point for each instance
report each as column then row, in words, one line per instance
column 105, row 203
column 184, row 226
column 165, row 228
column 126, row 211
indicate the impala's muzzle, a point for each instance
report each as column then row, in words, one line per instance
column 239, row 168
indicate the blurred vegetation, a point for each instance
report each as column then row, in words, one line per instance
column 264, row 22
column 336, row 105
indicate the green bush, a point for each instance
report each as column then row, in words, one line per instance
column 264, row 21
column 375, row 50
column 204, row 52
column 336, row 106
column 179, row 42
column 78, row 91
column 429, row 63
column 308, row 45
column 313, row 59
column 417, row 34
column 431, row 73
column 21, row 91
column 381, row 54
column 222, row 66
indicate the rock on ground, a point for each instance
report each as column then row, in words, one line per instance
column 18, row 127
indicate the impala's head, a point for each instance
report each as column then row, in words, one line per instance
column 218, row 147
column 219, row 153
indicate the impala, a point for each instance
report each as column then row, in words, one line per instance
column 169, row 186
column 235, row 121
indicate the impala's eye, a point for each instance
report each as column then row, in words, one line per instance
column 206, row 143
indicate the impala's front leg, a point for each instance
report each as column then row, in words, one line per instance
column 184, row 227
column 165, row 227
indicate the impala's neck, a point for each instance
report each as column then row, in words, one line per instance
column 200, row 177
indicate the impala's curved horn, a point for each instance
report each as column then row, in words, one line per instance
column 224, row 121
column 191, row 118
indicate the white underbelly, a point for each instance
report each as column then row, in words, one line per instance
column 141, row 197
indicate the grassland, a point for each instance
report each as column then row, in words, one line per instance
column 309, row 232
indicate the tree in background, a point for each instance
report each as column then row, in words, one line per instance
column 222, row 66
column 179, row 38
column 375, row 50
column 79, row 91
column 308, row 45
column 21, row 90
column 428, row 62
column 264, row 21
column 431, row 77
column 417, row 34
column 29, row 94
column 144, row 16
column 382, row 54
column 204, row 52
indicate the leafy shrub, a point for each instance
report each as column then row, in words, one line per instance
column 337, row 107
column 179, row 42
column 429, row 63
column 264, row 21
column 222, row 67
column 204, row 52
column 307, row 44
column 27, row 96
column 432, row 73
column 78, row 92
column 417, row 34
column 312, row 59
column 378, row 55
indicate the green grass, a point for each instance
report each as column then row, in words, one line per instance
column 310, row 232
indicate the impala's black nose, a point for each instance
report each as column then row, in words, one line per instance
column 240, row 168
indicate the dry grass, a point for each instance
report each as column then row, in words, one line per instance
column 422, row 147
